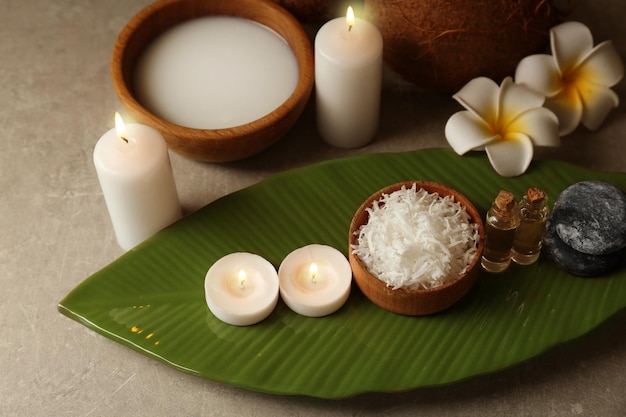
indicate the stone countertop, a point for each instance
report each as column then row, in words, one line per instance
column 57, row 100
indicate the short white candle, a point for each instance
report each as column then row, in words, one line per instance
column 216, row 72
column 135, row 174
column 315, row 280
column 241, row 288
column 348, row 77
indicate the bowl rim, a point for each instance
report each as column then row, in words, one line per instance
column 249, row 9
column 361, row 216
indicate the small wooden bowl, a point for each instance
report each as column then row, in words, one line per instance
column 213, row 145
column 406, row 301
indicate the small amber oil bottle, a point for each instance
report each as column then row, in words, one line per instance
column 501, row 222
column 533, row 211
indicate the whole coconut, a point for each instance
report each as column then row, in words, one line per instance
column 443, row 44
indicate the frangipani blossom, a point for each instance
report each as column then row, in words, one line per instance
column 505, row 120
column 576, row 79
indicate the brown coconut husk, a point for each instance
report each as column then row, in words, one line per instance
column 443, row 44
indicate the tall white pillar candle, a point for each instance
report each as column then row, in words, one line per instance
column 348, row 77
column 133, row 167
column 315, row 280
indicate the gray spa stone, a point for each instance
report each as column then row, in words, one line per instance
column 573, row 261
column 590, row 216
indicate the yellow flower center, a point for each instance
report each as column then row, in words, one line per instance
column 570, row 82
column 497, row 130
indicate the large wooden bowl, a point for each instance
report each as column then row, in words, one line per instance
column 406, row 301
column 214, row 145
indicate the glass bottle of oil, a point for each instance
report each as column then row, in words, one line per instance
column 533, row 210
column 501, row 222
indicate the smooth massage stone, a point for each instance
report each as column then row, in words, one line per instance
column 573, row 261
column 590, row 216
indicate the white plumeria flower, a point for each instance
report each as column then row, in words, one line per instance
column 576, row 79
column 505, row 120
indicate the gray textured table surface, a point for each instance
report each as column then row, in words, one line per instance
column 57, row 99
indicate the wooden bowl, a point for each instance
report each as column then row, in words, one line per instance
column 408, row 301
column 213, row 145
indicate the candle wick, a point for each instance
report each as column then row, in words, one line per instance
column 313, row 272
column 242, row 279
column 124, row 139
column 349, row 28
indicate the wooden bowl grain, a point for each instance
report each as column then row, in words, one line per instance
column 213, row 145
column 407, row 301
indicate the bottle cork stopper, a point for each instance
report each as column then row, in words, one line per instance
column 535, row 195
column 505, row 200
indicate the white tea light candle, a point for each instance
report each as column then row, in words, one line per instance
column 216, row 72
column 315, row 280
column 241, row 288
column 135, row 174
column 348, row 77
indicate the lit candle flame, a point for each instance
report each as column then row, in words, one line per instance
column 313, row 271
column 350, row 18
column 120, row 127
column 242, row 279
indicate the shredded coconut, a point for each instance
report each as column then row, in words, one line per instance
column 415, row 239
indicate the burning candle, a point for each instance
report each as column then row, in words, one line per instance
column 133, row 167
column 216, row 72
column 348, row 76
column 241, row 288
column 315, row 280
